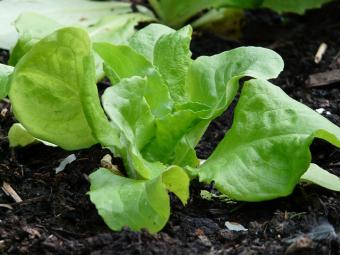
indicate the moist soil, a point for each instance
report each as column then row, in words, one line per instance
column 56, row 216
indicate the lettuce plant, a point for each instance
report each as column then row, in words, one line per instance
column 176, row 12
column 159, row 105
column 27, row 22
column 101, row 17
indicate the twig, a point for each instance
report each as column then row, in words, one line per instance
column 323, row 79
column 11, row 192
column 6, row 206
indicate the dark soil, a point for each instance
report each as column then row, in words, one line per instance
column 56, row 216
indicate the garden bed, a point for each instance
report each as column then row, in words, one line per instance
column 57, row 217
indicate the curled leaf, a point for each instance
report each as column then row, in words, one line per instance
column 321, row 177
column 134, row 203
column 45, row 89
column 265, row 153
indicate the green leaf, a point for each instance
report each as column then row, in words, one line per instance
column 266, row 151
column 124, row 202
column 172, row 57
column 45, row 89
column 19, row 137
column 177, row 181
column 185, row 153
column 31, row 28
column 126, row 107
column 137, row 204
column 81, row 13
column 144, row 40
column 175, row 13
column 321, row 177
column 163, row 144
column 213, row 81
column 124, row 62
column 295, row 6
column 102, row 130
column 117, row 28
column 225, row 22
column 5, row 73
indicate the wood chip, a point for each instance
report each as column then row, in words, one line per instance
column 319, row 54
column 4, row 112
column 7, row 188
column 323, row 79
column 106, row 162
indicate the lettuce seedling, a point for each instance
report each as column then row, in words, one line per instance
column 111, row 22
column 175, row 13
column 159, row 105
column 102, row 17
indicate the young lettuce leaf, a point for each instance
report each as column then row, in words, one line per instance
column 5, row 72
column 19, row 137
column 172, row 57
column 45, row 89
column 138, row 204
column 265, row 153
column 321, row 177
column 213, row 81
column 144, row 40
